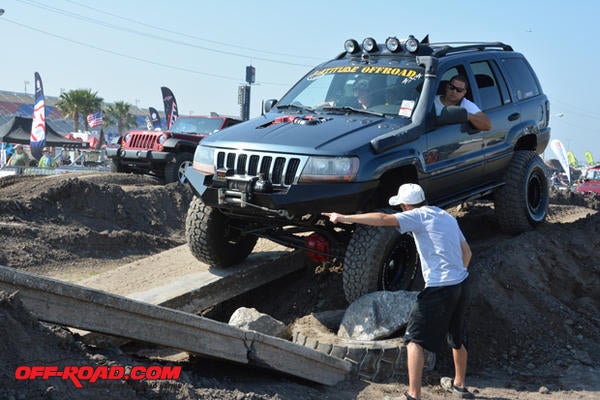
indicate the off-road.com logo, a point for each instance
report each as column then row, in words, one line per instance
column 77, row 374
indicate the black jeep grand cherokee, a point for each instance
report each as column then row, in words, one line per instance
column 320, row 148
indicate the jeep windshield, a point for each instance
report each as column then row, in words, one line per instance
column 201, row 126
column 382, row 87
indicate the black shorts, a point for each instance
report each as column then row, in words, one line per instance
column 439, row 315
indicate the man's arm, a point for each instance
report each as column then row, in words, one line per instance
column 375, row 219
column 466, row 253
column 480, row 121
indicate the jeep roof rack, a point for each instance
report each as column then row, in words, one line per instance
column 442, row 49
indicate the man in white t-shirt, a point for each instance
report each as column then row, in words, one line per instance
column 439, row 313
column 455, row 92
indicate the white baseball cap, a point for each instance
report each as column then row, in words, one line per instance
column 409, row 193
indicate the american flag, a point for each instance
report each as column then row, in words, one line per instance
column 95, row 119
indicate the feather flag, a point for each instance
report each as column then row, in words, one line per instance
column 588, row 158
column 561, row 154
column 572, row 160
column 171, row 112
column 37, row 139
column 154, row 118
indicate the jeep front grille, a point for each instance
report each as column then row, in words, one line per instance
column 142, row 141
column 280, row 169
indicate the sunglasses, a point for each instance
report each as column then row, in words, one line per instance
column 458, row 90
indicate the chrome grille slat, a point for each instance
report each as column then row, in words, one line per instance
column 282, row 170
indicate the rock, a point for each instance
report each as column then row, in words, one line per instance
column 377, row 315
column 543, row 390
column 253, row 320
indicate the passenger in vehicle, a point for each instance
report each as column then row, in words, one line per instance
column 454, row 95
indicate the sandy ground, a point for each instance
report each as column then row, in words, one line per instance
column 534, row 325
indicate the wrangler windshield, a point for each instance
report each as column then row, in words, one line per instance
column 390, row 87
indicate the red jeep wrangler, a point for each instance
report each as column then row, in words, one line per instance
column 165, row 154
column 591, row 182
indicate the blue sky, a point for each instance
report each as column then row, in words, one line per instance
column 127, row 50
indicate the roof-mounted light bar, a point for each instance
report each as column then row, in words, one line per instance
column 392, row 43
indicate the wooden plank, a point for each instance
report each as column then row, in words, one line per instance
column 72, row 305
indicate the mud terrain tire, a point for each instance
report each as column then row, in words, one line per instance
column 374, row 360
column 380, row 258
column 522, row 202
column 211, row 238
column 174, row 171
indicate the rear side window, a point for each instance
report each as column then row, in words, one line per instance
column 523, row 82
column 489, row 93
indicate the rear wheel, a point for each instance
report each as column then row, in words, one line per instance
column 212, row 239
column 380, row 258
column 522, row 202
column 175, row 170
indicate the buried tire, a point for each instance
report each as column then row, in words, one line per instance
column 212, row 239
column 380, row 258
column 522, row 202
column 374, row 360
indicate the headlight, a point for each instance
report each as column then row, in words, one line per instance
column 127, row 138
column 330, row 169
column 204, row 160
column 163, row 138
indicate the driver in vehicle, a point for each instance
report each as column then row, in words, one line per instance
column 455, row 92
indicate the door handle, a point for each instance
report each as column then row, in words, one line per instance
column 514, row 116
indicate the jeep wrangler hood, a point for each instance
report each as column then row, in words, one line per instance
column 321, row 133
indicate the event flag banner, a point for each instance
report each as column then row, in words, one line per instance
column 95, row 119
column 37, row 139
column 589, row 158
column 171, row 112
column 572, row 160
column 561, row 154
column 155, row 119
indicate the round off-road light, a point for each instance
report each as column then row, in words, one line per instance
column 369, row 44
column 351, row 46
column 411, row 44
column 392, row 44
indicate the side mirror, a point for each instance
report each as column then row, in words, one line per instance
column 452, row 115
column 267, row 105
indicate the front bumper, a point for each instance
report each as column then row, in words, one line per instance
column 141, row 156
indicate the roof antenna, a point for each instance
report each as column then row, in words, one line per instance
column 425, row 39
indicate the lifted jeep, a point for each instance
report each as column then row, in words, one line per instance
column 319, row 149
column 165, row 154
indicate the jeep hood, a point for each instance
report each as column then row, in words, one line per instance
column 305, row 134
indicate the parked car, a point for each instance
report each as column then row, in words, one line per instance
column 591, row 182
column 165, row 154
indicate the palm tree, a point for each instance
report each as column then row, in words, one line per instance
column 79, row 102
column 118, row 115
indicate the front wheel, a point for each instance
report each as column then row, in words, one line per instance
column 380, row 258
column 175, row 170
column 522, row 202
column 212, row 239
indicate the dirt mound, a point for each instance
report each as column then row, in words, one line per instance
column 49, row 220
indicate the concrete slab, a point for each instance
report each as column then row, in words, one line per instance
column 176, row 279
column 93, row 310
